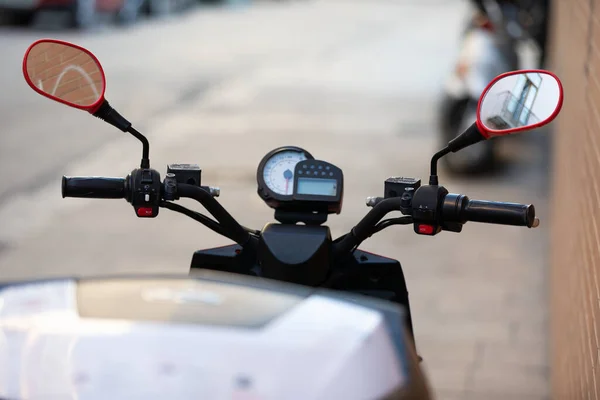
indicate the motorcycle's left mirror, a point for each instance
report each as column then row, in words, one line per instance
column 66, row 73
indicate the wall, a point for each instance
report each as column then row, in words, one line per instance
column 65, row 72
column 575, row 248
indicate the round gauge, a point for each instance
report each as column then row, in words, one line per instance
column 275, row 173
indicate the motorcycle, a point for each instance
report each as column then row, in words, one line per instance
column 285, row 312
column 489, row 48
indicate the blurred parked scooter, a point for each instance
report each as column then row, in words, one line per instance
column 489, row 47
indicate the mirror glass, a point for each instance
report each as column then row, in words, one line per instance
column 518, row 101
column 61, row 71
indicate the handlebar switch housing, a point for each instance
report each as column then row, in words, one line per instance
column 145, row 193
column 426, row 209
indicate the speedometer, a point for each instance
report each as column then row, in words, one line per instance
column 278, row 172
column 275, row 175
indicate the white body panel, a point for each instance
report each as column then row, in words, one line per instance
column 319, row 348
column 486, row 58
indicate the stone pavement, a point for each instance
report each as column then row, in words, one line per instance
column 353, row 82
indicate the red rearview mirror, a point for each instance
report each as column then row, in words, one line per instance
column 66, row 73
column 519, row 101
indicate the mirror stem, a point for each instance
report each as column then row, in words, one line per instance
column 433, row 178
column 465, row 139
column 108, row 114
column 469, row 137
column 145, row 147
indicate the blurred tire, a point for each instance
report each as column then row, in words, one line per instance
column 16, row 17
column 456, row 116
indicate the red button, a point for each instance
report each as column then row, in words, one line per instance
column 426, row 229
column 144, row 212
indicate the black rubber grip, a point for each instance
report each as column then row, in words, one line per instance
column 93, row 187
column 493, row 212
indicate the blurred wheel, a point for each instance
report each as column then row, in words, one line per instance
column 476, row 159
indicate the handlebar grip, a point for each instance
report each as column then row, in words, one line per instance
column 93, row 187
column 493, row 212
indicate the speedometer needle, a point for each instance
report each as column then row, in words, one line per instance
column 287, row 174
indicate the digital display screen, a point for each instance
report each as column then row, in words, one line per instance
column 317, row 187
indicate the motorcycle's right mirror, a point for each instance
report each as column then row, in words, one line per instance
column 513, row 102
column 518, row 101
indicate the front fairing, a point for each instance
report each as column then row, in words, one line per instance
column 175, row 338
column 360, row 272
